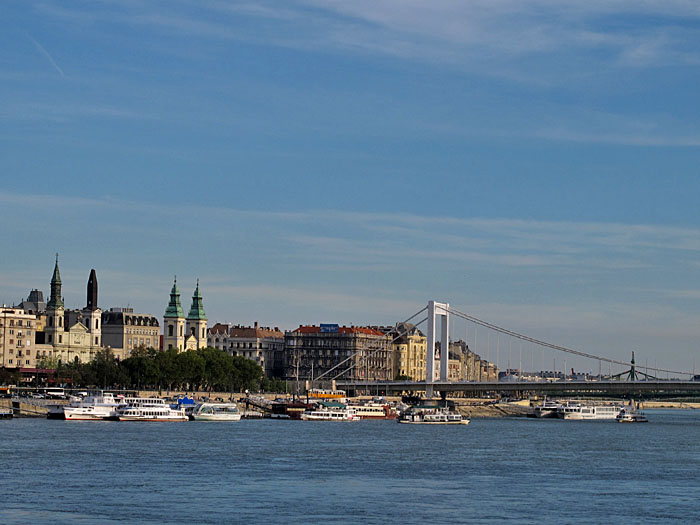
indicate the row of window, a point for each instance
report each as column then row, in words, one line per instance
column 19, row 361
column 19, row 323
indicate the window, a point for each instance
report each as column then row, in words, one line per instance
column 27, row 361
column 10, row 361
column 170, row 330
column 60, row 338
column 60, row 321
column 96, row 340
column 51, row 320
column 49, row 338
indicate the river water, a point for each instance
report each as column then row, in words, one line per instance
column 266, row 471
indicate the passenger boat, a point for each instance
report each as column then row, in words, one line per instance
column 149, row 409
column 6, row 415
column 432, row 415
column 216, row 412
column 97, row 407
column 629, row 414
column 373, row 411
column 588, row 412
column 330, row 411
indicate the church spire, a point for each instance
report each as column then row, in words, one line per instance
column 197, row 308
column 174, row 308
column 55, row 301
column 92, row 291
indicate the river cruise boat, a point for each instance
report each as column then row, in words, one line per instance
column 629, row 414
column 216, row 412
column 580, row 412
column 330, row 411
column 431, row 415
column 373, row 411
column 97, row 407
column 149, row 409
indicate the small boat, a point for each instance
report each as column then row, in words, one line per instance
column 6, row 415
column 629, row 414
column 432, row 415
column 216, row 412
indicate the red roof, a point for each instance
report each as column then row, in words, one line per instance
column 341, row 329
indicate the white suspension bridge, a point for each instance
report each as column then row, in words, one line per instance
column 628, row 378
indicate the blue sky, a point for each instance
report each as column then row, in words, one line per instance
column 534, row 164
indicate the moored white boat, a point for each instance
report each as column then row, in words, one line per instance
column 373, row 411
column 430, row 415
column 588, row 412
column 149, row 409
column 97, row 407
column 330, row 411
column 216, row 412
column 629, row 414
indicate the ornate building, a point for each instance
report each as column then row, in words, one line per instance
column 69, row 335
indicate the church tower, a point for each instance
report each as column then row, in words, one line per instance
column 174, row 322
column 92, row 314
column 197, row 319
column 55, row 310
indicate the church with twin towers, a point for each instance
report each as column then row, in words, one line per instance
column 184, row 333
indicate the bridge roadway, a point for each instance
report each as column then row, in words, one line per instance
column 581, row 387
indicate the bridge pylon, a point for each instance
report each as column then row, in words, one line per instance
column 435, row 310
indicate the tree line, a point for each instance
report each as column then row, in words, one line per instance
column 206, row 369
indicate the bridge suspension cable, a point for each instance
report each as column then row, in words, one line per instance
column 352, row 356
column 553, row 346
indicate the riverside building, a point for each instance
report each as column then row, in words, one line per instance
column 263, row 345
column 353, row 352
column 125, row 331
column 17, row 333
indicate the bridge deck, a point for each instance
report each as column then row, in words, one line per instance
column 612, row 387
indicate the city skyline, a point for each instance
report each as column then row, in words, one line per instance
column 335, row 162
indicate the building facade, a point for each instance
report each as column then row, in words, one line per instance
column 125, row 331
column 73, row 335
column 263, row 345
column 347, row 352
column 17, row 336
column 409, row 347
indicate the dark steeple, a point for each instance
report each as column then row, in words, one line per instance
column 92, row 291
column 55, row 301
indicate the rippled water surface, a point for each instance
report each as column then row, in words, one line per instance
column 517, row 470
